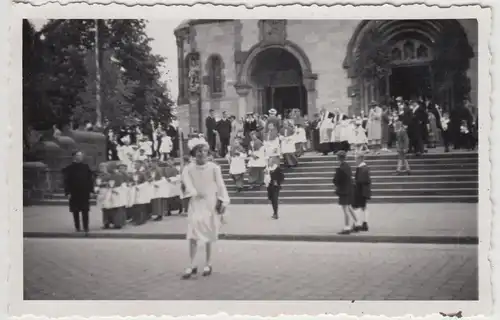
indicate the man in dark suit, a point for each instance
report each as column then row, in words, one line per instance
column 224, row 129
column 211, row 126
column 362, row 189
column 78, row 185
column 343, row 188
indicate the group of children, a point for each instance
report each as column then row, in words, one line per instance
column 135, row 192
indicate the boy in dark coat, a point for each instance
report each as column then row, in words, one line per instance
column 343, row 188
column 362, row 189
column 275, row 178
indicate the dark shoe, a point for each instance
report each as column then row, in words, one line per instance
column 159, row 218
column 207, row 271
column 275, row 217
column 364, row 226
column 356, row 229
column 189, row 273
column 86, row 233
column 408, row 172
column 345, row 232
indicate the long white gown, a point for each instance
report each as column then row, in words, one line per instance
column 204, row 186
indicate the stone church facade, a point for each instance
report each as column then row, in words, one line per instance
column 240, row 66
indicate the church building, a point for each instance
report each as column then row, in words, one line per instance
column 242, row 66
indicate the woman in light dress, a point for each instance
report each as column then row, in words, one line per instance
column 208, row 198
column 374, row 127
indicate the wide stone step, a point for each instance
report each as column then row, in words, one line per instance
column 380, row 167
column 375, row 199
column 375, row 179
column 388, row 157
column 381, row 185
column 330, row 173
column 381, row 164
column 376, row 192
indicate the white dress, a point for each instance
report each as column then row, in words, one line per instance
column 288, row 144
column 166, row 144
column 237, row 164
column 204, row 186
column 300, row 135
column 272, row 148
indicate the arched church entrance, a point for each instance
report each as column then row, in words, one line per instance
column 410, row 59
column 277, row 79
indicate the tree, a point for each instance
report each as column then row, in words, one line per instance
column 452, row 54
column 372, row 60
column 133, row 51
column 116, row 93
column 60, row 71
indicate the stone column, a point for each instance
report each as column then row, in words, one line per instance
column 312, row 94
column 242, row 91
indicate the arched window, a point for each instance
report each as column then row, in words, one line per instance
column 409, row 50
column 215, row 68
column 422, row 52
column 396, row 54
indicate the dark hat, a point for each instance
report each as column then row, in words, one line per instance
column 373, row 103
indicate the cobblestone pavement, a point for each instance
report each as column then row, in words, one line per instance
column 421, row 220
column 127, row 269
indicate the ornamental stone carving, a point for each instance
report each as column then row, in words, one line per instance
column 194, row 74
column 272, row 31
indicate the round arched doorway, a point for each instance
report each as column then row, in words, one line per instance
column 276, row 77
column 411, row 59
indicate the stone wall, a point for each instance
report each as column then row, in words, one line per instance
column 325, row 44
column 218, row 39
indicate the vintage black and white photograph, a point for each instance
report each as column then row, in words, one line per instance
column 252, row 159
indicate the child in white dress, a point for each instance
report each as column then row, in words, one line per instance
column 300, row 140
column 360, row 140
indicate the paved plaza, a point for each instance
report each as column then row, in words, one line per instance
column 428, row 223
column 131, row 269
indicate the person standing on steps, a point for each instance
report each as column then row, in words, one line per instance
column 402, row 144
column 224, row 129
column 362, row 189
column 78, row 185
column 274, row 179
column 343, row 188
column 208, row 198
column 211, row 127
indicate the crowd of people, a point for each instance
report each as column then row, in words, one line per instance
column 145, row 183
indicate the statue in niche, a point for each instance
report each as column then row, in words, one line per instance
column 273, row 30
column 409, row 51
column 396, row 54
column 194, row 75
column 422, row 52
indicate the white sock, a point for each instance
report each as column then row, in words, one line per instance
column 365, row 215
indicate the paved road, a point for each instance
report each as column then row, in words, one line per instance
column 111, row 269
column 386, row 220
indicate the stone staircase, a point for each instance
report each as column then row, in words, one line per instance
column 435, row 177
